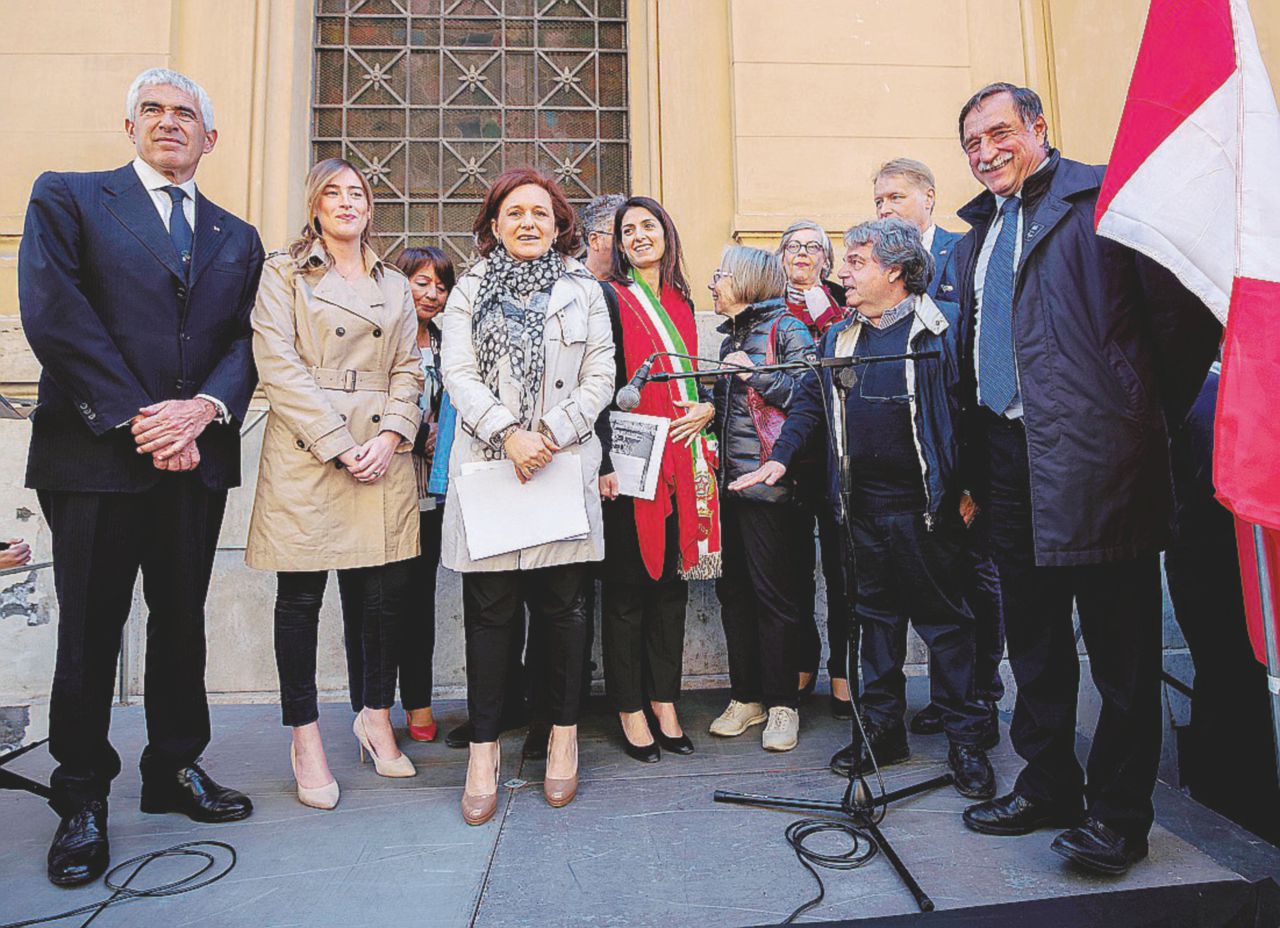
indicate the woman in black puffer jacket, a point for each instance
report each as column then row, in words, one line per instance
column 763, row 530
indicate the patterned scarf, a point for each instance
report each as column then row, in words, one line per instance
column 503, row 325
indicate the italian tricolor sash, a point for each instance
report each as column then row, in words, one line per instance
column 687, row 479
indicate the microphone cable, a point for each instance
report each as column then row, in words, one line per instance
column 218, row 859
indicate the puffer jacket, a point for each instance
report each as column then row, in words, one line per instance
column 749, row 332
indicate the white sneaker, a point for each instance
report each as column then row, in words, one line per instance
column 783, row 729
column 737, row 718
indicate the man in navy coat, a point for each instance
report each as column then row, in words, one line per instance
column 1081, row 353
column 135, row 293
column 905, row 188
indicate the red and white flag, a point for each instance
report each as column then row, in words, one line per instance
column 1192, row 183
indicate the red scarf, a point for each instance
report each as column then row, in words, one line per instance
column 817, row 327
column 696, row 505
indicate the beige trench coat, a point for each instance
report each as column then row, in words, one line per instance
column 577, row 386
column 339, row 363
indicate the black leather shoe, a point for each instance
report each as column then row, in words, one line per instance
column 460, row 737
column 193, row 793
column 80, row 851
column 928, row 721
column 974, row 777
column 1015, row 814
column 1096, row 847
column 807, row 690
column 645, row 753
column 888, row 743
column 841, row 709
column 535, row 742
column 681, row 745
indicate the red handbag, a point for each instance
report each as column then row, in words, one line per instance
column 768, row 420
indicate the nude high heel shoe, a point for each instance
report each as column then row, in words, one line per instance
column 399, row 767
column 317, row 797
column 476, row 810
column 559, row 791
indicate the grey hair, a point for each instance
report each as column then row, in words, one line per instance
column 1026, row 100
column 915, row 171
column 895, row 243
column 163, row 77
column 755, row 275
column 801, row 225
column 597, row 216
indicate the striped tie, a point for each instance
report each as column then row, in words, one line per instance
column 997, row 368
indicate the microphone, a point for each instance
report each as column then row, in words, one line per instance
column 628, row 397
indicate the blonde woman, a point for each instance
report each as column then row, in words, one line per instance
column 335, row 340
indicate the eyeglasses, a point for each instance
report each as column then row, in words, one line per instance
column 813, row 249
column 601, row 232
column 718, row 276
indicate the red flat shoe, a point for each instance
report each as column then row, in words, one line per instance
column 421, row 732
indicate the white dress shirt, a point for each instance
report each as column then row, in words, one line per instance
column 155, row 182
column 927, row 237
column 980, row 279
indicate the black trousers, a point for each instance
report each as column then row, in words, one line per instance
column 811, row 482
column 1120, row 606
column 643, row 629
column 982, row 592
column 100, row 543
column 491, row 606
column 904, row 570
column 760, row 598
column 375, row 601
column 417, row 642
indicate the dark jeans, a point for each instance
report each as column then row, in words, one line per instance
column 100, row 543
column 418, row 629
column 811, row 482
column 375, row 601
column 643, row 627
column 1120, row 607
column 903, row 571
column 491, row 606
column 760, row 598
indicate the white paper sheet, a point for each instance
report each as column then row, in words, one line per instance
column 501, row 514
column 636, row 451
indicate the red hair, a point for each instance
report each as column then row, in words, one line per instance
column 567, row 238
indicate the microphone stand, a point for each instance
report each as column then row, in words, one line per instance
column 15, row 781
column 858, row 805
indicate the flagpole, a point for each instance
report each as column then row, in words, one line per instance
column 1269, row 634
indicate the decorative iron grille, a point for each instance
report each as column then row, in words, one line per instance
column 432, row 99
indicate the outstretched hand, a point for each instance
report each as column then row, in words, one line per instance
column 768, row 473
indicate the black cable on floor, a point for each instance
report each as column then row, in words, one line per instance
column 862, row 848
column 123, row 892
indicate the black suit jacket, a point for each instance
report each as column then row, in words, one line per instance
column 118, row 324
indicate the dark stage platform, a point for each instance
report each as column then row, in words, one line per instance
column 643, row 845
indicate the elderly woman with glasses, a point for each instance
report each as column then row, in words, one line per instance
column 807, row 259
column 762, row 528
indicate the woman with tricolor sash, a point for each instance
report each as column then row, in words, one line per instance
column 654, row 547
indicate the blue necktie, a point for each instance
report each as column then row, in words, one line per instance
column 997, row 369
column 179, row 229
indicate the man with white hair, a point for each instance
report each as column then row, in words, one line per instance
column 135, row 293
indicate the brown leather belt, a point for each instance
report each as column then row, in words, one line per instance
column 350, row 381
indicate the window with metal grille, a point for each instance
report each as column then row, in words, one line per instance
column 432, row 99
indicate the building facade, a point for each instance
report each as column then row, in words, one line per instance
column 739, row 115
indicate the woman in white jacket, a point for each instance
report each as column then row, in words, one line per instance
column 527, row 359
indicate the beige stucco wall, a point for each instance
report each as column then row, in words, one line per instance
column 746, row 114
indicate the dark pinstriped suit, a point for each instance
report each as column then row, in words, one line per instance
column 118, row 323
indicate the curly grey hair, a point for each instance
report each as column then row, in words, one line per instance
column 895, row 243
column 163, row 77
column 597, row 216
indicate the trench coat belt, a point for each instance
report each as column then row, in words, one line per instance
column 350, row 381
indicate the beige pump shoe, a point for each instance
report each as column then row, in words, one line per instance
column 317, row 797
column 399, row 767
column 476, row 810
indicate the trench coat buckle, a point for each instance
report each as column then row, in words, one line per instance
column 349, row 381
